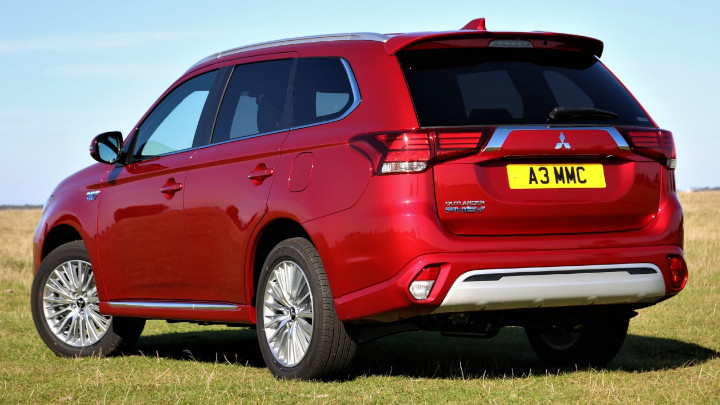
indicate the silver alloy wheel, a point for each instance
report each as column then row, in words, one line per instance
column 70, row 304
column 288, row 313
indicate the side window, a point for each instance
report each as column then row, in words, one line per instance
column 172, row 125
column 323, row 91
column 254, row 102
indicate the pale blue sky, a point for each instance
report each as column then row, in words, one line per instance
column 70, row 70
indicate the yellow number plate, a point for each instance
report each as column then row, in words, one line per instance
column 556, row 176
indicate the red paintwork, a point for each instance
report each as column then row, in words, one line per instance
column 140, row 230
column 195, row 239
column 222, row 208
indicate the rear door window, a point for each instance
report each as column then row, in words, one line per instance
column 255, row 100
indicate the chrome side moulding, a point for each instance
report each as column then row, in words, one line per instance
column 174, row 305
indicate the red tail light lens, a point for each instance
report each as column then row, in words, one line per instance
column 414, row 151
column 678, row 272
column 657, row 144
column 407, row 152
column 452, row 145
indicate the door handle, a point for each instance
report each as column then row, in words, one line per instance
column 260, row 173
column 170, row 188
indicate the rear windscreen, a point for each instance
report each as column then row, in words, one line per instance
column 481, row 86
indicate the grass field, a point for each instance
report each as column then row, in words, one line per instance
column 671, row 354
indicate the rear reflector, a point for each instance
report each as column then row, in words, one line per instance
column 414, row 151
column 421, row 287
column 678, row 272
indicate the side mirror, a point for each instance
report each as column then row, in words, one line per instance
column 106, row 147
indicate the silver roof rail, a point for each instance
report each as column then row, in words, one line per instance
column 357, row 36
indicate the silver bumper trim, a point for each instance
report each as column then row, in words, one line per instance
column 538, row 287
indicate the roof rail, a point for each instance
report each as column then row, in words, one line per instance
column 356, row 36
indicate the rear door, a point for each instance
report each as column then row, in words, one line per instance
column 229, row 180
column 557, row 161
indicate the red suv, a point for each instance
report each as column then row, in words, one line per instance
column 333, row 189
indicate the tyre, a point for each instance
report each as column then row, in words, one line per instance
column 299, row 332
column 65, row 309
column 589, row 343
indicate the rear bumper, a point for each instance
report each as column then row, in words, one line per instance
column 484, row 281
column 542, row 287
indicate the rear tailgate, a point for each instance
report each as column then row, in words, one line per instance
column 540, row 180
column 572, row 151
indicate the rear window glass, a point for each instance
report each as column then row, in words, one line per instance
column 480, row 86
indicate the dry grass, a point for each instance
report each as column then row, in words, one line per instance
column 670, row 356
column 16, row 235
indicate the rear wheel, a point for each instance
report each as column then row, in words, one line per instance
column 592, row 342
column 299, row 332
column 65, row 307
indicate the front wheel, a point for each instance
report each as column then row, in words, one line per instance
column 65, row 307
column 592, row 342
column 299, row 332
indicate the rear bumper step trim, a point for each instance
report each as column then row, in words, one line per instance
column 537, row 287
column 498, row 276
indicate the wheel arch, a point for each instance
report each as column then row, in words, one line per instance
column 57, row 236
column 271, row 234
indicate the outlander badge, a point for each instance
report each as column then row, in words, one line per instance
column 467, row 207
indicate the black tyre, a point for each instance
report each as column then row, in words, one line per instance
column 64, row 303
column 299, row 332
column 584, row 344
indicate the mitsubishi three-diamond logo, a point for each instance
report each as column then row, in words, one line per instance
column 562, row 143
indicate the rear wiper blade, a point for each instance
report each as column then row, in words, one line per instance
column 570, row 113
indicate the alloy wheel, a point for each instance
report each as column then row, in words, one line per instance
column 288, row 313
column 70, row 304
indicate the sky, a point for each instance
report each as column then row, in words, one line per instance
column 70, row 70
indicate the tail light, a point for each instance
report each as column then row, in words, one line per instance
column 422, row 285
column 415, row 151
column 678, row 272
column 657, row 144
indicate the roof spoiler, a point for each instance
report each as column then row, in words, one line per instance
column 475, row 33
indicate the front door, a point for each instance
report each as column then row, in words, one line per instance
column 140, row 221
